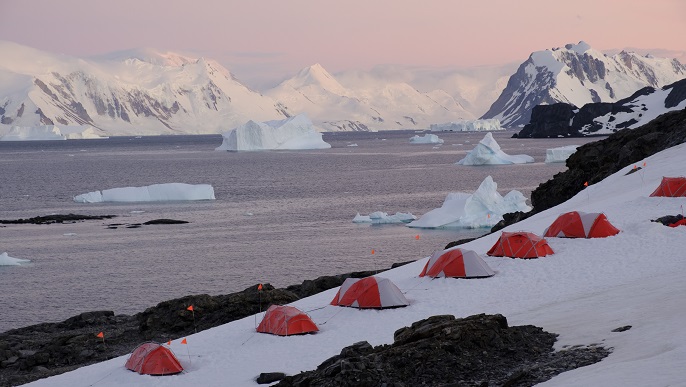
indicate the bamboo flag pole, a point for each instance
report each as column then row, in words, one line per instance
column 195, row 327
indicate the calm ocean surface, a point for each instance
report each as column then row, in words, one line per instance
column 279, row 218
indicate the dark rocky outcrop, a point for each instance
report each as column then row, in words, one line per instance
column 595, row 161
column 480, row 350
column 50, row 219
column 165, row 221
column 565, row 120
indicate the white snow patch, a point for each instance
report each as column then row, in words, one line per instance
column 468, row 126
column 150, row 193
column 380, row 217
column 484, row 208
column 488, row 152
column 6, row 260
column 559, row 155
column 426, row 139
column 294, row 133
column 51, row 132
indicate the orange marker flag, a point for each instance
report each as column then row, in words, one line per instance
column 184, row 341
column 372, row 251
column 489, row 216
column 101, row 335
column 259, row 287
column 635, row 167
column 190, row 308
column 644, row 164
column 417, row 237
column 586, row 184
column 169, row 342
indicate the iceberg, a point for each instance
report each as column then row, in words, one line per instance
column 6, row 260
column 51, row 132
column 426, row 139
column 559, row 155
column 467, row 126
column 380, row 217
column 294, row 133
column 487, row 152
column 484, row 208
column 150, row 193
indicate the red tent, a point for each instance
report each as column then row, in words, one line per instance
column 520, row 245
column 456, row 263
column 286, row 320
column 153, row 359
column 369, row 292
column 577, row 224
column 671, row 186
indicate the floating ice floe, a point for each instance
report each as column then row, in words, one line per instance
column 51, row 132
column 559, row 155
column 380, row 217
column 467, row 126
column 294, row 133
column 6, row 260
column 484, row 208
column 426, row 139
column 150, row 193
column 488, row 152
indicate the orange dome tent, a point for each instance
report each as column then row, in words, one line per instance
column 671, row 186
column 520, row 245
column 577, row 224
column 456, row 263
column 153, row 359
column 285, row 321
column 369, row 292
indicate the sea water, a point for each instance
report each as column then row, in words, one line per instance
column 280, row 217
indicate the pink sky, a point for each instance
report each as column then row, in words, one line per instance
column 274, row 38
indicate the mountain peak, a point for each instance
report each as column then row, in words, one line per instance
column 316, row 75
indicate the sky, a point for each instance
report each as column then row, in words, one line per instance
column 264, row 40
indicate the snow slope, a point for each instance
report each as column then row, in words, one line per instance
column 582, row 292
column 577, row 74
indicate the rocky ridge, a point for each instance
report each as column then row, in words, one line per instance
column 566, row 120
column 480, row 350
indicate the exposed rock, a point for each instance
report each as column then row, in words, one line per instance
column 550, row 121
column 269, row 377
column 50, row 219
column 480, row 350
column 165, row 221
column 622, row 329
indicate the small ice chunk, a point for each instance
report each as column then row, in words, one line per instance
column 6, row 260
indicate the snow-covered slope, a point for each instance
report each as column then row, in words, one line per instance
column 138, row 92
column 582, row 292
column 368, row 106
column 577, row 74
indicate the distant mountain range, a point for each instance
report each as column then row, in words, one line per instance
column 148, row 92
column 577, row 75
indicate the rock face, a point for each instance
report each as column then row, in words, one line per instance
column 480, row 350
column 577, row 74
column 600, row 118
column 595, row 161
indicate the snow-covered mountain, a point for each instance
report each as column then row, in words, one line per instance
column 367, row 106
column 577, row 74
column 130, row 93
column 598, row 118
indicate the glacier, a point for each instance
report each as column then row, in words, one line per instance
column 468, row 126
column 488, row 152
column 560, row 154
column 150, row 193
column 51, row 132
column 6, row 260
column 484, row 208
column 426, row 139
column 380, row 217
column 294, row 133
